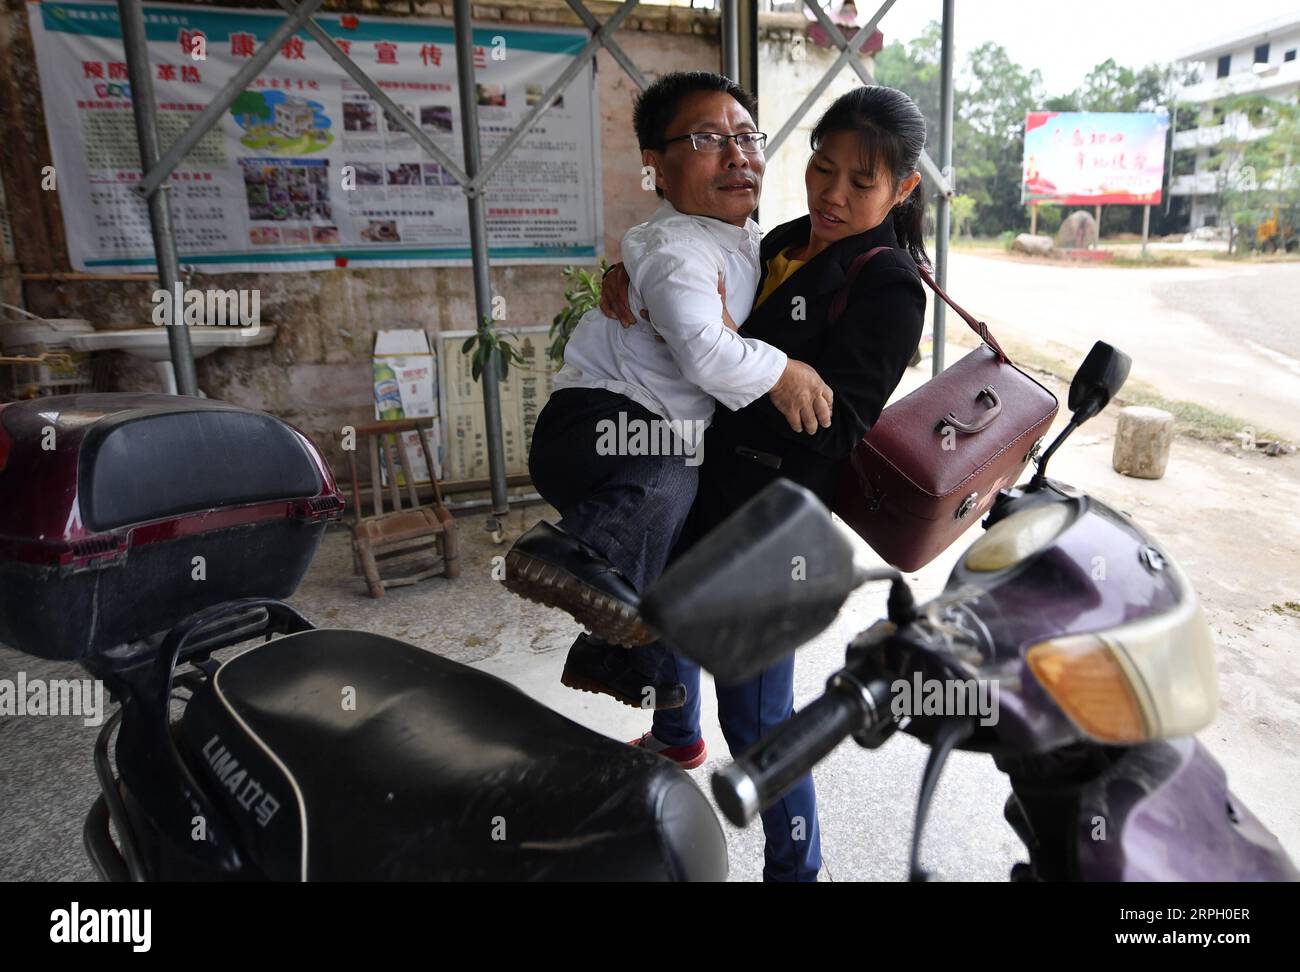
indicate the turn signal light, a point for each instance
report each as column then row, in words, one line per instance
column 1089, row 683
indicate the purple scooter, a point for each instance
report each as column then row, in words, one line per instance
column 1066, row 644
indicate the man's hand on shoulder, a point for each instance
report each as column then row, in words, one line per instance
column 614, row 299
column 613, row 296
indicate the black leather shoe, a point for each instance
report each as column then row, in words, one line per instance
column 597, row 666
column 549, row 566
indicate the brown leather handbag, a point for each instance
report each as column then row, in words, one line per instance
column 935, row 460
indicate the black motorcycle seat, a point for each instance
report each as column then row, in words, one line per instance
column 343, row 755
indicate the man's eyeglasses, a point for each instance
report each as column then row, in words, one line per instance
column 749, row 142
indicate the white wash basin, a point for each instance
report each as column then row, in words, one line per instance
column 152, row 343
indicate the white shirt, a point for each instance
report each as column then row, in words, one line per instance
column 673, row 260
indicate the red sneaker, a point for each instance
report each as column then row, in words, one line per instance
column 687, row 757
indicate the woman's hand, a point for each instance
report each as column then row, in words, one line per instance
column 613, row 296
column 726, row 317
column 614, row 303
column 803, row 398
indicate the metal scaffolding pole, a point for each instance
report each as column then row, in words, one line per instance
column 607, row 42
column 209, row 116
column 160, row 216
column 479, row 251
column 368, row 84
column 730, row 41
column 848, row 54
column 479, row 181
column 943, row 215
column 927, row 165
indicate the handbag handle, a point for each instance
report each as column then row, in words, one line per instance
column 980, row 424
column 841, row 299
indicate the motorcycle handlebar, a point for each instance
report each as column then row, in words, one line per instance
column 763, row 773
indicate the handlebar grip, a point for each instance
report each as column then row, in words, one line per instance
column 763, row 773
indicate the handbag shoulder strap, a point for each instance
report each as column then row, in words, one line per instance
column 841, row 299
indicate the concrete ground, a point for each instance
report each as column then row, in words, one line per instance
column 1228, row 517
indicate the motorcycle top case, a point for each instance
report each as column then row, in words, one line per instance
column 121, row 514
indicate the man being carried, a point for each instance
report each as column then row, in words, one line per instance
column 598, row 451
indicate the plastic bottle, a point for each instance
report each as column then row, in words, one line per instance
column 388, row 394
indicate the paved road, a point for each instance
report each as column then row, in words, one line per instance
column 1224, row 337
column 1259, row 304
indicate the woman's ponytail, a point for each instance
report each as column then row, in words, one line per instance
column 909, row 224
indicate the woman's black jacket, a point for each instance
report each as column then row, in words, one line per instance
column 862, row 356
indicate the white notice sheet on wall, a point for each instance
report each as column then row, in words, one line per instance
column 523, row 394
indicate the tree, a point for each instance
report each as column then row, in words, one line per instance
column 991, row 105
column 249, row 105
column 992, row 95
column 1254, row 167
column 914, row 68
column 963, row 207
column 1110, row 87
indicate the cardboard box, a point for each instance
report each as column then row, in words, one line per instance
column 406, row 386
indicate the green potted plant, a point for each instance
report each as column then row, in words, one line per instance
column 484, row 342
column 581, row 296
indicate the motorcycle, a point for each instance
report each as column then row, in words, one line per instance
column 140, row 535
column 1086, row 631
column 331, row 754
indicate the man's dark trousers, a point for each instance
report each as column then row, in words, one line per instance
column 628, row 508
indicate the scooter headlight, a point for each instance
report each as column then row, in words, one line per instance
column 1150, row 679
column 1020, row 535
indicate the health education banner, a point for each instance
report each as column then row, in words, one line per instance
column 1094, row 158
column 266, row 189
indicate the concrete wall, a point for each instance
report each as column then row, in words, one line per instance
column 317, row 372
column 787, row 72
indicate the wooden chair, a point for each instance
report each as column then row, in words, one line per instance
column 416, row 530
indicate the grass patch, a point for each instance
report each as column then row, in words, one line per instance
column 1278, row 257
column 1152, row 260
column 966, row 243
column 1190, row 419
column 1120, row 256
column 1290, row 607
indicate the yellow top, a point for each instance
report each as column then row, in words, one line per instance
column 779, row 269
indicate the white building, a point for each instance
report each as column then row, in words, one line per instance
column 293, row 117
column 1260, row 59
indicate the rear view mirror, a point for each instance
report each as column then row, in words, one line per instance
column 763, row 582
column 1098, row 380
